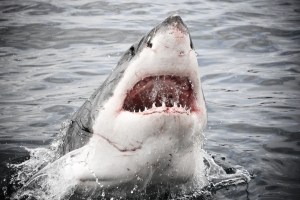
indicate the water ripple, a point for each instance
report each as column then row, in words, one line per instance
column 54, row 54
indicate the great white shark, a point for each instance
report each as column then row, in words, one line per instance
column 144, row 125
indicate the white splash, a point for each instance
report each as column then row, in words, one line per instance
column 44, row 180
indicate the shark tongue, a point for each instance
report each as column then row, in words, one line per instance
column 160, row 91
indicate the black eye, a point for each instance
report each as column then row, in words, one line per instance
column 131, row 49
column 149, row 44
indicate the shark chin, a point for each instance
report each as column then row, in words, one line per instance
column 143, row 127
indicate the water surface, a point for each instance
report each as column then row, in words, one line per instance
column 54, row 54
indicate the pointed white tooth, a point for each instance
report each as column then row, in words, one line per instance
column 153, row 105
column 139, row 110
column 146, row 108
column 163, row 104
column 180, row 106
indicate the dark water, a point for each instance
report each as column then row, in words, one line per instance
column 54, row 54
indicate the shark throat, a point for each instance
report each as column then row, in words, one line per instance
column 165, row 91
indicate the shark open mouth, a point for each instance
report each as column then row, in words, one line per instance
column 166, row 93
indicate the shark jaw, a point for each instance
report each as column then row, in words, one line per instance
column 161, row 94
column 153, row 121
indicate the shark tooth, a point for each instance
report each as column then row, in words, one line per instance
column 153, row 105
column 175, row 105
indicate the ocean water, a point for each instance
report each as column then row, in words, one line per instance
column 54, row 54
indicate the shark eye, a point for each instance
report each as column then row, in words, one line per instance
column 132, row 52
column 149, row 44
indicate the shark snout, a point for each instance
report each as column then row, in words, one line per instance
column 175, row 22
column 172, row 36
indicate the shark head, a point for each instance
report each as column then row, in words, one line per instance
column 157, row 78
column 151, row 110
column 155, row 86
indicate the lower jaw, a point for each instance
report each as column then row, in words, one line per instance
column 166, row 111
